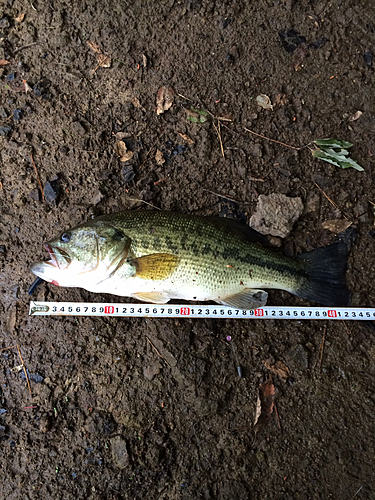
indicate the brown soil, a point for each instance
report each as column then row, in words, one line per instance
column 97, row 427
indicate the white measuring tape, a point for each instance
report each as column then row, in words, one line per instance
column 196, row 311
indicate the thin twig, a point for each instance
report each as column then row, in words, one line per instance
column 24, row 369
column 321, row 348
column 6, row 348
column 356, row 493
column 225, row 197
column 346, row 216
column 40, row 184
column 277, row 416
column 147, row 203
column 157, row 352
column 25, row 47
column 273, row 140
column 219, row 136
column 183, row 97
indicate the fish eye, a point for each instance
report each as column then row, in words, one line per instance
column 65, row 237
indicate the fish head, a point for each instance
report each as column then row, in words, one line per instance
column 84, row 256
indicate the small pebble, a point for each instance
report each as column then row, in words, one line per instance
column 128, row 174
column 368, row 58
column 17, row 114
column 50, row 193
column 4, row 130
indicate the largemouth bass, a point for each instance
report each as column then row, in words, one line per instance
column 158, row 256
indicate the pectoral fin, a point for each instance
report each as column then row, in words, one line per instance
column 154, row 297
column 157, row 266
column 246, row 299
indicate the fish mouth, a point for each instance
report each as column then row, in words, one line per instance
column 58, row 257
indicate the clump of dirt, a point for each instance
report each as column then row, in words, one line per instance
column 107, row 417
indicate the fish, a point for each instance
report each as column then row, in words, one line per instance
column 156, row 256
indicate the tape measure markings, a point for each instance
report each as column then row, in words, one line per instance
column 196, row 311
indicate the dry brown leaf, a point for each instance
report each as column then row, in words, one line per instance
column 164, row 99
column 267, row 394
column 159, row 157
column 187, row 139
column 122, row 152
column 337, row 225
column 94, row 46
column 355, row 116
column 4, row 62
column 26, row 86
column 104, row 61
column 136, row 102
column 264, row 101
column 278, row 368
column 20, row 18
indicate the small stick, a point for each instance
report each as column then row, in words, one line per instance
column 24, row 369
column 273, row 140
column 6, row 348
column 25, row 47
column 183, row 97
column 147, row 203
column 225, row 197
column 333, row 203
column 321, row 348
column 277, row 416
column 40, row 184
column 219, row 136
column 157, row 352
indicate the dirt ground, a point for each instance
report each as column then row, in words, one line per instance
column 108, row 418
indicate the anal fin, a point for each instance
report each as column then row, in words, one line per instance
column 246, row 299
column 154, row 297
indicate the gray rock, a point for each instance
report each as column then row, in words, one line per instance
column 119, row 452
column 276, row 214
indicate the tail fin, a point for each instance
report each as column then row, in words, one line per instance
column 326, row 269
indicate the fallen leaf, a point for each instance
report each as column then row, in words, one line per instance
column 164, row 99
column 94, row 46
column 355, row 116
column 122, row 151
column 104, row 61
column 337, row 225
column 4, row 62
column 136, row 102
column 266, row 397
column 159, row 157
column 187, row 139
column 278, row 368
column 335, row 152
column 196, row 115
column 264, row 101
column 20, row 18
column 26, row 86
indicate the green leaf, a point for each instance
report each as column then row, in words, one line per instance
column 333, row 143
column 200, row 112
column 193, row 119
column 339, row 160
